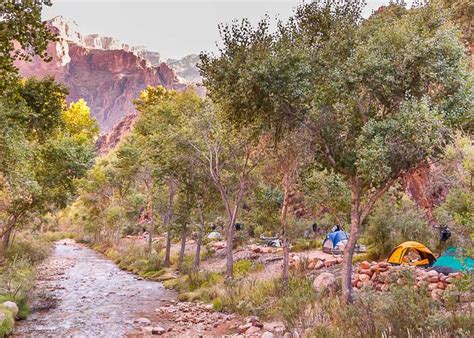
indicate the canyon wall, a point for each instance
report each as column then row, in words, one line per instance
column 108, row 74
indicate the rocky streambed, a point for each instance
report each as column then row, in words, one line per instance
column 81, row 293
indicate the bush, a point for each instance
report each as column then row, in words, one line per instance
column 402, row 311
column 244, row 266
column 392, row 223
column 267, row 299
column 306, row 244
column 137, row 259
column 16, row 280
column 204, row 286
column 53, row 236
column 30, row 248
column 6, row 325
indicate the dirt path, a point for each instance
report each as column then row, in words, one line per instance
column 81, row 293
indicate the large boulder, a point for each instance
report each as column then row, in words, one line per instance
column 11, row 306
column 325, row 281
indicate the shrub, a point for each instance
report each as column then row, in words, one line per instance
column 53, row 236
column 16, row 280
column 6, row 322
column 136, row 258
column 217, row 304
column 392, row 223
column 267, row 299
column 30, row 248
column 295, row 304
column 251, row 297
column 244, row 266
column 401, row 312
column 306, row 244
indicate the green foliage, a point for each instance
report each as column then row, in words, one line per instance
column 243, row 267
column 327, row 192
column 78, row 122
column 196, row 285
column 28, row 248
column 33, row 38
column 137, row 259
column 458, row 173
column 394, row 222
column 6, row 325
column 397, row 312
column 263, row 218
column 267, row 299
column 306, row 244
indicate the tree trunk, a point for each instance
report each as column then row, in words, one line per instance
column 349, row 250
column 117, row 235
column 230, row 235
column 167, row 223
column 166, row 262
column 197, row 256
column 284, row 236
column 183, row 247
column 5, row 242
column 151, row 230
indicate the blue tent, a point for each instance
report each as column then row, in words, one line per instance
column 453, row 260
column 334, row 240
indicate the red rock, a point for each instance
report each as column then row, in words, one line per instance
column 368, row 272
column 441, row 285
column 415, row 184
column 318, row 265
column 436, row 294
column 432, row 286
column 109, row 77
column 330, row 262
column 364, row 265
column 252, row 330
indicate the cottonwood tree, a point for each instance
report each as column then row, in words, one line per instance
column 22, row 35
column 41, row 153
column 160, row 114
column 230, row 159
column 284, row 163
column 378, row 95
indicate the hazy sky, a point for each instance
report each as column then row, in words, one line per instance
column 172, row 28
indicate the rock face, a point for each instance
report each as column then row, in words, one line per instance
column 108, row 141
column 109, row 75
column 186, row 68
column 425, row 189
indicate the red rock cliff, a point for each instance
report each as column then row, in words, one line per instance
column 107, row 74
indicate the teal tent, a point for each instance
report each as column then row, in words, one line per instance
column 453, row 259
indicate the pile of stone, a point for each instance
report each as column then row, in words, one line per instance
column 253, row 327
column 260, row 249
column 198, row 317
column 301, row 262
column 218, row 245
column 382, row 275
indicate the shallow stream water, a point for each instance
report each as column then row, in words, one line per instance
column 81, row 293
